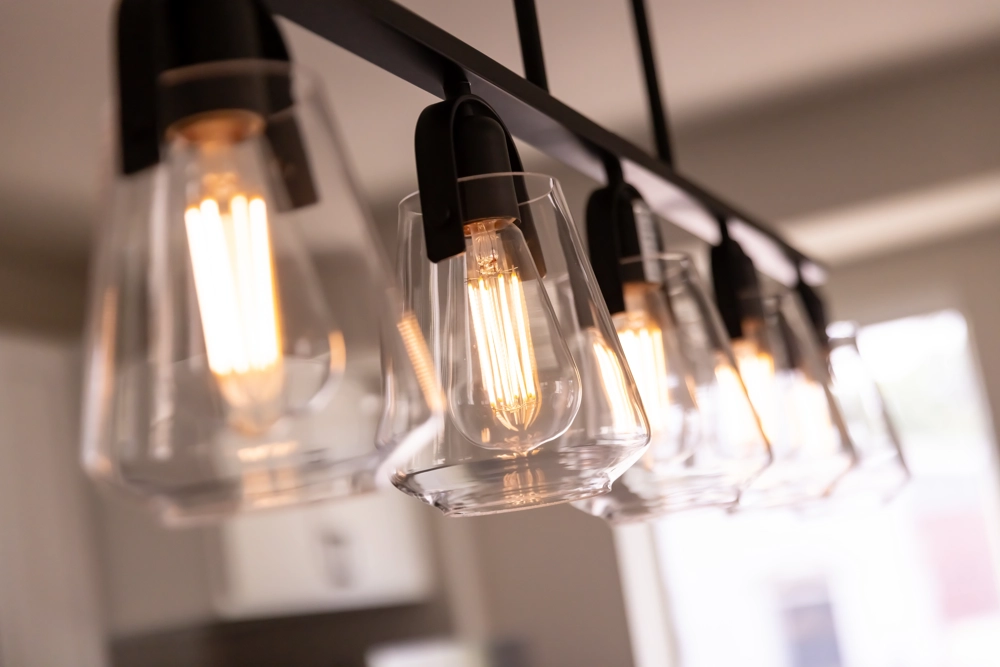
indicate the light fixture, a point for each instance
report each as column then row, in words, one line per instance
column 541, row 407
column 881, row 470
column 681, row 361
column 223, row 373
column 779, row 361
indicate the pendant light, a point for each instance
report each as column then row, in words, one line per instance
column 881, row 470
column 224, row 373
column 681, row 361
column 541, row 408
column 779, row 361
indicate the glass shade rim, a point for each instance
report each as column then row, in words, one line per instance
column 406, row 203
column 216, row 68
column 843, row 332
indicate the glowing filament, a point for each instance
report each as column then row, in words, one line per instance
column 500, row 325
column 757, row 371
column 740, row 425
column 616, row 386
column 642, row 342
column 811, row 421
column 793, row 409
column 237, row 299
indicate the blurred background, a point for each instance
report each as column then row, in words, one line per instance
column 864, row 130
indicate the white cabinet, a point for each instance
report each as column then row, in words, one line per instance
column 362, row 552
column 354, row 553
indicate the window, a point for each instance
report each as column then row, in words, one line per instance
column 910, row 584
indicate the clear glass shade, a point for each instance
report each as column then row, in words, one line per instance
column 881, row 469
column 541, row 407
column 233, row 352
column 706, row 442
column 779, row 360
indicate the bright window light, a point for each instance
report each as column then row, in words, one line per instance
column 911, row 584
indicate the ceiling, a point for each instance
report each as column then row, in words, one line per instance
column 718, row 58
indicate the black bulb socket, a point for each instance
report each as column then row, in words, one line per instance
column 737, row 287
column 620, row 225
column 160, row 42
column 464, row 137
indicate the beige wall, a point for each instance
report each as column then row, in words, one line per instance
column 550, row 580
column 41, row 296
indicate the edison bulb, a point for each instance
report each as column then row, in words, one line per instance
column 514, row 384
column 644, row 330
column 236, row 278
column 793, row 408
column 756, row 369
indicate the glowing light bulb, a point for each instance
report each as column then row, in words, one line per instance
column 810, row 420
column 516, row 385
column 615, row 386
column 234, row 280
column 642, row 341
column 794, row 409
column 231, row 245
column 503, row 340
column 756, row 369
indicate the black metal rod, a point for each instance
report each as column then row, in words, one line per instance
column 531, row 43
column 414, row 49
column 657, row 110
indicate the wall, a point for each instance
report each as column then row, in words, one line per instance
column 50, row 588
column 162, row 613
column 888, row 132
column 41, row 295
column 551, row 582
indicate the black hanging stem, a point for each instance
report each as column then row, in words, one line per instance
column 657, row 110
column 531, row 43
column 815, row 308
column 723, row 229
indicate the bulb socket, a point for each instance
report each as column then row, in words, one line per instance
column 737, row 287
column 456, row 139
column 165, row 86
column 620, row 226
column 228, row 126
column 481, row 148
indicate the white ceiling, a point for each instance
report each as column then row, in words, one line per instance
column 716, row 57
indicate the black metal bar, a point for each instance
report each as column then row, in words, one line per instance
column 531, row 43
column 414, row 49
column 657, row 110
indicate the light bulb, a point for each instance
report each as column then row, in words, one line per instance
column 793, row 408
column 234, row 280
column 740, row 425
column 644, row 332
column 614, row 384
column 756, row 369
column 235, row 275
column 811, row 422
column 514, row 384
